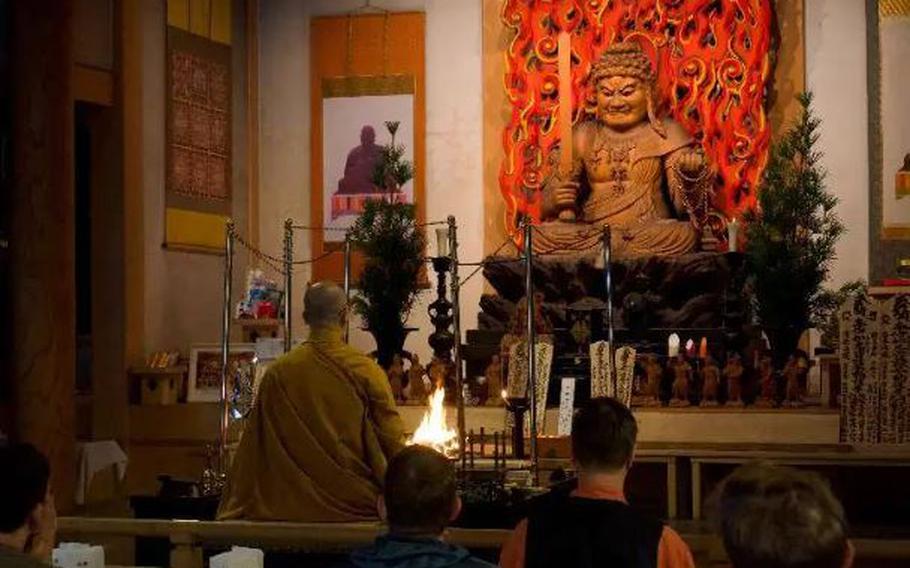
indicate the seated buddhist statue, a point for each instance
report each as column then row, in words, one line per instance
column 640, row 174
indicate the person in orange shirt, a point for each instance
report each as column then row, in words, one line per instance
column 587, row 522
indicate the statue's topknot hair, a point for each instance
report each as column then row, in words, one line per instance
column 625, row 59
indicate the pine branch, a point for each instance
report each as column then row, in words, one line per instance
column 793, row 233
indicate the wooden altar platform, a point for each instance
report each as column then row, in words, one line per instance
column 718, row 425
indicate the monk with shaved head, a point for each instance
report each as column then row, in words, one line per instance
column 316, row 445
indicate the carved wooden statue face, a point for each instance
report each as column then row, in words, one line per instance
column 622, row 102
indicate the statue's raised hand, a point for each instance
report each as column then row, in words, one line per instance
column 692, row 162
column 565, row 198
column 565, row 195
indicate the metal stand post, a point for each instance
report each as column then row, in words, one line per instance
column 608, row 283
column 347, row 284
column 531, row 348
column 456, row 332
column 288, row 282
column 225, row 344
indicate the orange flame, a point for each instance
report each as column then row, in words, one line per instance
column 434, row 431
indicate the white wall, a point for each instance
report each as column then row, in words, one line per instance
column 836, row 74
column 183, row 291
column 454, row 124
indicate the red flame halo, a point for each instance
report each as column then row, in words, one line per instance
column 713, row 65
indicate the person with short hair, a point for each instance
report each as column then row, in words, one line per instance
column 28, row 516
column 419, row 502
column 587, row 521
column 779, row 517
column 322, row 429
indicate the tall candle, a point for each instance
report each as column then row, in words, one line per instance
column 442, row 242
column 732, row 234
column 672, row 345
column 703, row 348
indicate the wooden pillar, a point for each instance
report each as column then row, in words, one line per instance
column 130, row 99
column 252, row 122
column 43, row 235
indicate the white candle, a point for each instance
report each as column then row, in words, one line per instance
column 442, row 242
column 673, row 345
column 732, row 234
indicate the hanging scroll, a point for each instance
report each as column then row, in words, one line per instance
column 373, row 75
column 198, row 137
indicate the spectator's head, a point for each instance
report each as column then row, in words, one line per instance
column 324, row 305
column 776, row 517
column 603, row 436
column 419, row 496
column 25, row 498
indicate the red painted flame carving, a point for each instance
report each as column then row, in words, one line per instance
column 713, row 63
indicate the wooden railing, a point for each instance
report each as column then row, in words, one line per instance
column 188, row 538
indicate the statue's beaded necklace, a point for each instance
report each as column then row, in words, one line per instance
column 618, row 155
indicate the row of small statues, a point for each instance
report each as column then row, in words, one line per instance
column 414, row 384
column 683, row 374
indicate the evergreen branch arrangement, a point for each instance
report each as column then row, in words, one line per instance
column 387, row 234
column 392, row 170
column 792, row 235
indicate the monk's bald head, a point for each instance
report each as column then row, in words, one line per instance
column 324, row 304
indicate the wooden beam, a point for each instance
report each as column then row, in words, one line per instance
column 92, row 85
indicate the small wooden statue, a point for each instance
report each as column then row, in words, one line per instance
column 711, row 384
column 417, row 389
column 395, row 372
column 682, row 378
column 519, row 324
column 650, row 390
column 791, row 374
column 768, row 387
column 733, row 373
column 493, row 374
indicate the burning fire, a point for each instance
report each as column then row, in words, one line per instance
column 433, row 431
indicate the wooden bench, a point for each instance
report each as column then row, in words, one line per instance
column 188, row 538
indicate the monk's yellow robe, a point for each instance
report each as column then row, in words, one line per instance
column 317, row 442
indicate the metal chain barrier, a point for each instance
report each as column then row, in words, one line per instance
column 268, row 260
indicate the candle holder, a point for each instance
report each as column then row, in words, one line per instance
column 440, row 310
column 518, row 407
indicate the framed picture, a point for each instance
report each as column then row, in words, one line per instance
column 894, row 46
column 889, row 136
column 205, row 370
column 355, row 111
